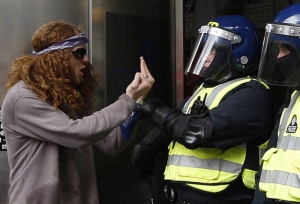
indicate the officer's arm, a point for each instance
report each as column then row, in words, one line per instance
column 192, row 131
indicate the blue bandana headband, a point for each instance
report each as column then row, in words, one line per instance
column 67, row 43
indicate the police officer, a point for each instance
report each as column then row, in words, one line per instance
column 214, row 153
column 280, row 65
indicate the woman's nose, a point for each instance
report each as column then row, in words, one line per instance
column 85, row 58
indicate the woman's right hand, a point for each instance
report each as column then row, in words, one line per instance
column 141, row 84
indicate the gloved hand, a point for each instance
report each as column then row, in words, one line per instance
column 144, row 153
column 144, row 110
column 149, row 106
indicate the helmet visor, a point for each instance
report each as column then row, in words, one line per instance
column 211, row 55
column 280, row 62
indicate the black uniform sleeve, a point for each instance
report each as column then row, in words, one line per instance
column 245, row 115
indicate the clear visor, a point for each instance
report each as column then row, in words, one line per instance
column 279, row 63
column 211, row 56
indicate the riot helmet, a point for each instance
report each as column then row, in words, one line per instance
column 280, row 58
column 225, row 46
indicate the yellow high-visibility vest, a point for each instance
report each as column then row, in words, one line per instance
column 209, row 169
column 280, row 177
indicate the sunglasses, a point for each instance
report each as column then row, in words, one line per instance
column 79, row 53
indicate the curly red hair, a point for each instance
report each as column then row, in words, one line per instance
column 49, row 75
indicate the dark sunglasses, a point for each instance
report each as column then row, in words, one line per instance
column 79, row 53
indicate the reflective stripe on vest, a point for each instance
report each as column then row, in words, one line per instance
column 208, row 169
column 280, row 177
column 213, row 93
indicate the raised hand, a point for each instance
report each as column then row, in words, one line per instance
column 142, row 82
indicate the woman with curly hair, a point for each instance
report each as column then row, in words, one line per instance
column 49, row 121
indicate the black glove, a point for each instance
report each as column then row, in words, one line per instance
column 192, row 131
column 144, row 153
column 149, row 106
